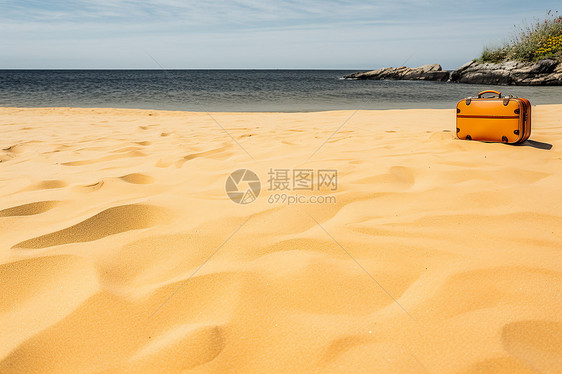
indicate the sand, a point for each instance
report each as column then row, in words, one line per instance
column 121, row 252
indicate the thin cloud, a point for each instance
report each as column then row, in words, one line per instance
column 254, row 34
column 231, row 12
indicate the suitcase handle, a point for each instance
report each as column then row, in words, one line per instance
column 490, row 91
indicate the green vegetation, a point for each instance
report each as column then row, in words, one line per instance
column 541, row 40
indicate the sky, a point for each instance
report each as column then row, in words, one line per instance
column 252, row 34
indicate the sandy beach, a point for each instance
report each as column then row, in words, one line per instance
column 120, row 250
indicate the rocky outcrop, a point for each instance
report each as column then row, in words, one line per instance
column 540, row 73
column 432, row 72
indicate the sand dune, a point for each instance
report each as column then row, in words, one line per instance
column 28, row 209
column 121, row 252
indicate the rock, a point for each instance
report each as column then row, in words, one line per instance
column 541, row 73
column 432, row 72
column 486, row 77
column 543, row 67
column 455, row 75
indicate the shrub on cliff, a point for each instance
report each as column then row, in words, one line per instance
column 540, row 40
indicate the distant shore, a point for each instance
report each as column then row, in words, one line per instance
column 541, row 73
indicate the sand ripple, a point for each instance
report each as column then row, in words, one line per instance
column 121, row 252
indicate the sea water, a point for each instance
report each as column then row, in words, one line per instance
column 237, row 90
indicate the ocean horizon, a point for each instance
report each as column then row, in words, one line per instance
column 237, row 90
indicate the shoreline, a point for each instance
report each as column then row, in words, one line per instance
column 237, row 112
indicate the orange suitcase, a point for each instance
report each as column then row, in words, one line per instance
column 494, row 119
